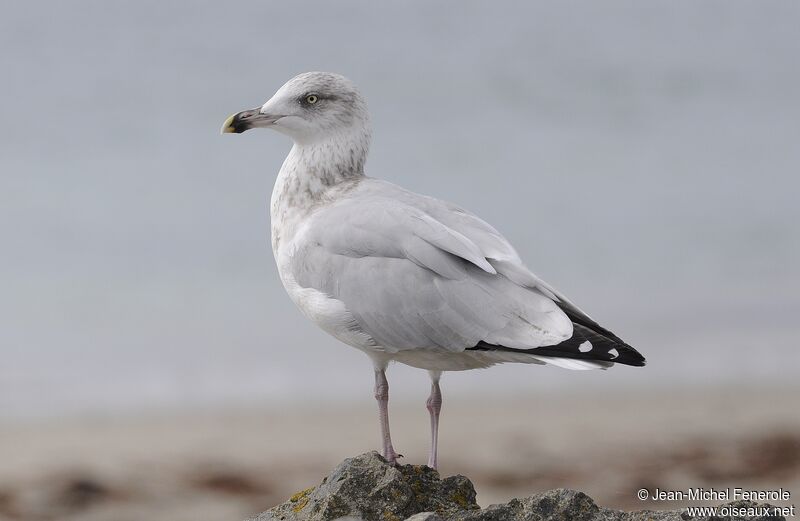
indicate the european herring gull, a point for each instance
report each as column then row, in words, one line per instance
column 401, row 276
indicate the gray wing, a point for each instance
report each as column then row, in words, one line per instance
column 418, row 273
column 497, row 250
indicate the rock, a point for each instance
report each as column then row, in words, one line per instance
column 368, row 488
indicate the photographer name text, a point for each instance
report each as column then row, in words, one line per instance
column 716, row 494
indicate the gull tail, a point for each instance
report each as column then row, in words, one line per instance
column 590, row 346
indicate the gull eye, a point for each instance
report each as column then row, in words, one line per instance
column 312, row 98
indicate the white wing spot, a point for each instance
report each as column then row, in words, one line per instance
column 613, row 352
column 585, row 347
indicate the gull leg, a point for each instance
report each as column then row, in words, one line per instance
column 382, row 395
column 434, row 405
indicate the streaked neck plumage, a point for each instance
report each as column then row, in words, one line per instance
column 312, row 172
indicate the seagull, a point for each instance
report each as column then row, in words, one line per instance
column 401, row 276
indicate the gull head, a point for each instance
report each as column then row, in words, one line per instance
column 311, row 107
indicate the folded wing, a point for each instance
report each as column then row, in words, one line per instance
column 418, row 273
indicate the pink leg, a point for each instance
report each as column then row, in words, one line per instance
column 434, row 405
column 382, row 395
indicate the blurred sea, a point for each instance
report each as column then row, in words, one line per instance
column 642, row 157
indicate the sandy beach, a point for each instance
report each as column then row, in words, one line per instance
column 215, row 465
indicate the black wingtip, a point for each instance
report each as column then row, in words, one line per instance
column 588, row 342
column 635, row 358
column 601, row 352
